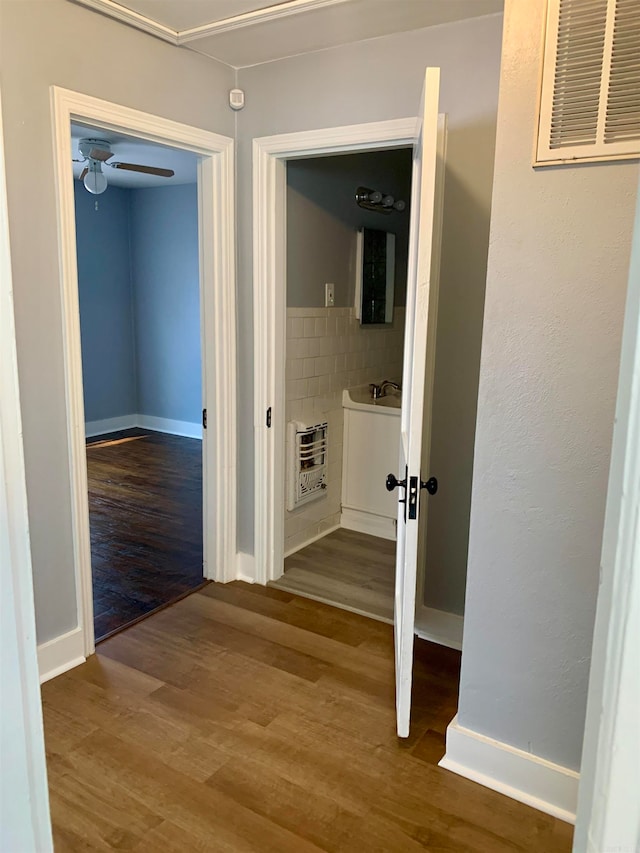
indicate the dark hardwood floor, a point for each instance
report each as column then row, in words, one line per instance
column 145, row 511
column 246, row 719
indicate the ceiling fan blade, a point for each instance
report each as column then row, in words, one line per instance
column 84, row 173
column 100, row 154
column 147, row 170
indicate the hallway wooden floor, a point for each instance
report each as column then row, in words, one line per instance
column 145, row 513
column 248, row 719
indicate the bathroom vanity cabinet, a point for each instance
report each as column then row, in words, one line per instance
column 370, row 452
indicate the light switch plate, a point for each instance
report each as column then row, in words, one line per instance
column 329, row 297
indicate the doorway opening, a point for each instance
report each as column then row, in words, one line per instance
column 347, row 254
column 271, row 256
column 215, row 301
column 139, row 298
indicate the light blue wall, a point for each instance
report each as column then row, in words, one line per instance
column 104, row 285
column 139, row 290
column 164, row 267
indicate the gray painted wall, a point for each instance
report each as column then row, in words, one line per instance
column 166, row 296
column 46, row 42
column 556, row 283
column 349, row 85
column 104, row 289
column 322, row 219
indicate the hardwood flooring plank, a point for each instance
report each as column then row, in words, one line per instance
column 101, row 814
column 200, row 810
column 348, row 569
column 238, row 720
column 326, row 622
column 145, row 514
column 323, row 648
column 317, row 819
column 352, row 594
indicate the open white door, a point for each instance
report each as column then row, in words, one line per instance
column 419, row 360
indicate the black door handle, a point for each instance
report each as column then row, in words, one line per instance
column 392, row 482
column 431, row 485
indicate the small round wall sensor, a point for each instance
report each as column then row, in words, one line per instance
column 236, row 99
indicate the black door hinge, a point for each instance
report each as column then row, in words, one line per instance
column 269, row 418
column 204, row 418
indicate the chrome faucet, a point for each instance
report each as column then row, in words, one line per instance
column 388, row 384
column 376, row 391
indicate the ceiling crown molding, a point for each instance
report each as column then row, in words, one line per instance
column 178, row 37
column 258, row 16
column 128, row 16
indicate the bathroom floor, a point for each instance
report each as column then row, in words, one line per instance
column 353, row 571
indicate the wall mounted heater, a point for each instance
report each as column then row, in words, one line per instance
column 307, row 457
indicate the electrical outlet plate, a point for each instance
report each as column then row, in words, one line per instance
column 329, row 297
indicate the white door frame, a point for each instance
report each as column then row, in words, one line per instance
column 216, row 232
column 270, row 154
column 25, row 822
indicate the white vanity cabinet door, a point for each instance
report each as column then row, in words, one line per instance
column 370, row 452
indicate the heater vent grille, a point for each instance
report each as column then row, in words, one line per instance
column 307, row 455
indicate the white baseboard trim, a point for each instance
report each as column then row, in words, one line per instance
column 245, row 567
column 368, row 522
column 438, row 626
column 183, row 428
column 312, row 539
column 520, row 775
column 60, row 654
column 92, row 428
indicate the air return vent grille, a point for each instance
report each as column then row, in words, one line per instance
column 623, row 100
column 578, row 72
column 590, row 100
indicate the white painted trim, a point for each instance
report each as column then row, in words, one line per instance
column 183, row 428
column 270, row 154
column 134, row 19
column 254, row 16
column 216, row 209
column 520, row 775
column 235, row 22
column 368, row 522
column 311, row 540
column 24, row 798
column 438, row 626
column 61, row 654
column 108, row 425
column 245, row 567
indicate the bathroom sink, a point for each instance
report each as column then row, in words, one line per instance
column 359, row 397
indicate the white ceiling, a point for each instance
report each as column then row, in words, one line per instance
column 127, row 149
column 249, row 32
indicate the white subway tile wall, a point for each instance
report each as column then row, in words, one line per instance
column 327, row 351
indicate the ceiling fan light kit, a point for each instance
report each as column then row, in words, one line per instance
column 95, row 153
column 95, row 180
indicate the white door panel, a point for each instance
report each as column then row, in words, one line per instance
column 419, row 361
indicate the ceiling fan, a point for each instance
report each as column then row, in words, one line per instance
column 96, row 153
